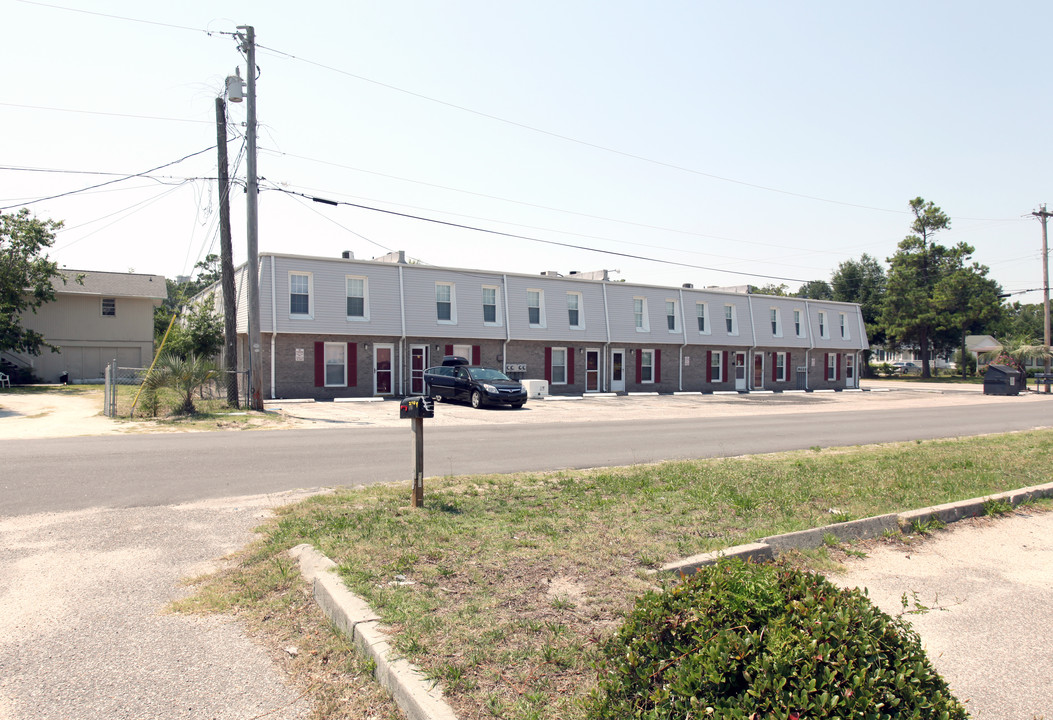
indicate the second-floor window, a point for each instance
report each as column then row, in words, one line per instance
column 702, row 312
column 490, row 305
column 670, row 315
column 445, row 311
column 109, row 307
column 640, row 314
column 844, row 327
column 535, row 308
column 776, row 323
column 357, row 303
column 822, row 325
column 300, row 294
column 729, row 320
column 798, row 327
column 574, row 309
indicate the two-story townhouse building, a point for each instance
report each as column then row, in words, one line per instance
column 340, row 327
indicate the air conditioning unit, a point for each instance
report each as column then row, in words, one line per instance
column 536, row 388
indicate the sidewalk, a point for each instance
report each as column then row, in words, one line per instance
column 978, row 594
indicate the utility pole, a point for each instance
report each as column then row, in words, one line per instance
column 230, row 318
column 1043, row 215
column 248, row 46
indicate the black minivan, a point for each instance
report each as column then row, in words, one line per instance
column 455, row 379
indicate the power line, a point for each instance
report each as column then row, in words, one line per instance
column 122, row 17
column 109, row 182
column 533, row 239
column 97, row 112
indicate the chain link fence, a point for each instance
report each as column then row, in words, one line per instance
column 124, row 395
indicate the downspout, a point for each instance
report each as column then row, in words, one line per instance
column 606, row 345
column 683, row 328
column 750, row 361
column 811, row 346
column 274, row 326
column 508, row 327
column 402, row 339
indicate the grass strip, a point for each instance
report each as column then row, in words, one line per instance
column 502, row 586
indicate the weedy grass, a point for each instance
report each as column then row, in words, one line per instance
column 518, row 579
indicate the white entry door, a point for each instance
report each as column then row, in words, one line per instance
column 740, row 371
column 617, row 370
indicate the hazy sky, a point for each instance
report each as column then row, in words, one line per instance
column 748, row 142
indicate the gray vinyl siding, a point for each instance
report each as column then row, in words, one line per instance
column 557, row 328
column 421, row 313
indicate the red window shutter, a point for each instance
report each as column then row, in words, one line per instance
column 724, row 354
column 639, row 366
column 548, row 364
column 709, row 366
column 319, row 364
column 352, row 364
column 826, row 366
column 658, row 366
column 477, row 355
column 788, row 366
column 775, row 367
column 837, row 366
column 570, row 366
column 449, row 349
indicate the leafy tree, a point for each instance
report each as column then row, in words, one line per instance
column 182, row 374
column 208, row 270
column 911, row 313
column 968, row 300
column 1019, row 320
column 201, row 334
column 770, row 289
column 816, row 290
column 862, row 281
column 26, row 278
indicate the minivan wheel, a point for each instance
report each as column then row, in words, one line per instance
column 477, row 399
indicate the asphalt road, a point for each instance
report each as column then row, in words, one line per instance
column 63, row 474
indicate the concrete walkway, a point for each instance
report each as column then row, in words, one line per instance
column 83, row 628
column 980, row 595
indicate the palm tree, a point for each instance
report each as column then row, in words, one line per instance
column 1015, row 352
column 184, row 375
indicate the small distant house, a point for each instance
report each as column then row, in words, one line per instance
column 106, row 315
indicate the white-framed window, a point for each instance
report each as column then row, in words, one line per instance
column 731, row 321
column 670, row 315
column 559, row 366
column 798, row 325
column 776, row 322
column 716, row 366
column 640, row 315
column 536, row 308
column 109, row 307
column 780, row 367
column 831, row 366
column 446, row 303
column 357, row 297
column 335, row 364
column 646, row 366
column 823, row 329
column 491, row 307
column 301, row 285
column 843, row 319
column 575, row 319
column 702, row 314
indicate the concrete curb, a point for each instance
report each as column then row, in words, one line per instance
column 415, row 695
column 768, row 548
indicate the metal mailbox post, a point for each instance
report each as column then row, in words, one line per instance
column 416, row 409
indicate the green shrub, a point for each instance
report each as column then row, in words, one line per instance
column 739, row 640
